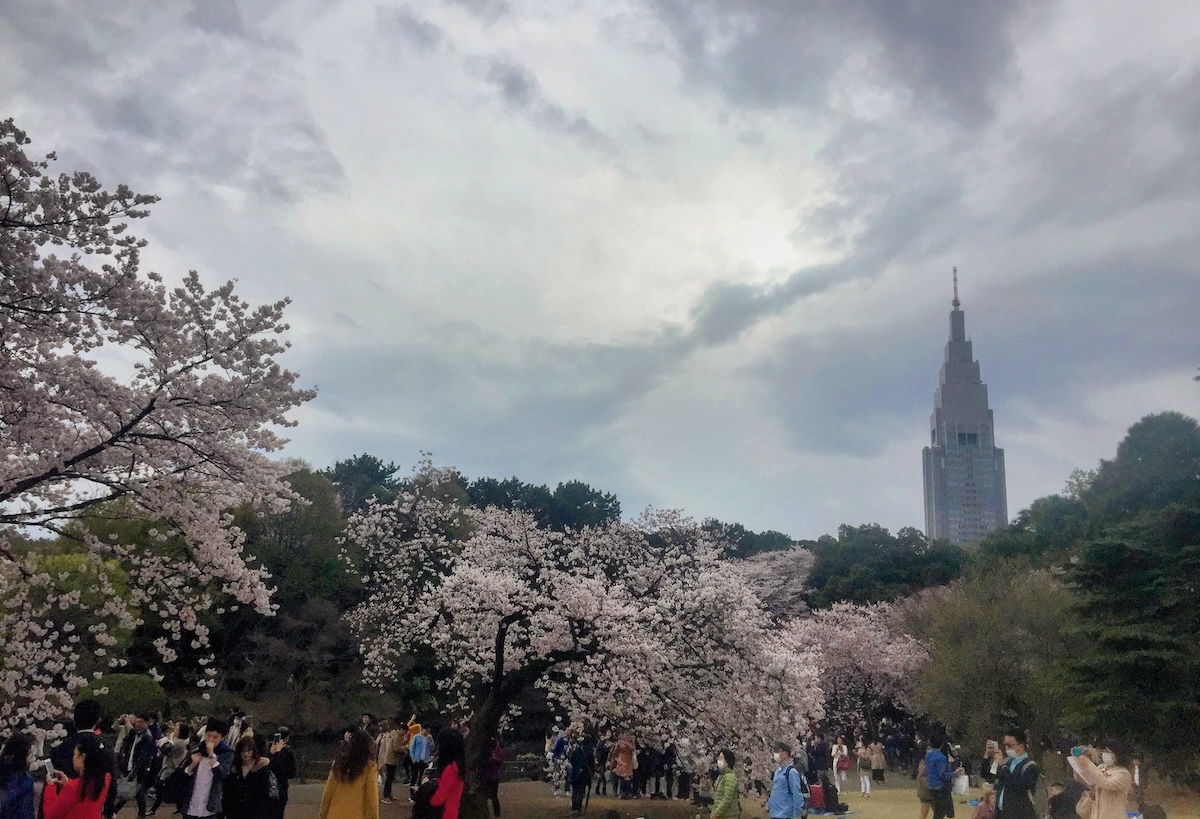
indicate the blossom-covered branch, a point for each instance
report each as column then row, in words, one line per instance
column 118, row 392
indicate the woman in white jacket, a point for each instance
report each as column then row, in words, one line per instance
column 1110, row 784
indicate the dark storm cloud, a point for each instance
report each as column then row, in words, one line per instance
column 521, row 92
column 1048, row 343
column 206, row 97
column 767, row 53
column 1125, row 140
column 415, row 30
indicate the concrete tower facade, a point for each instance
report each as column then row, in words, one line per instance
column 965, row 493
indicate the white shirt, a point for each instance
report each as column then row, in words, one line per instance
column 198, row 806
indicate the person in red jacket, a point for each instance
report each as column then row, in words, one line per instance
column 83, row 797
column 450, row 784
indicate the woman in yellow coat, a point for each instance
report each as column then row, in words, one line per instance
column 352, row 790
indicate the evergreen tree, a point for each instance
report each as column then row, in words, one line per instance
column 1136, row 672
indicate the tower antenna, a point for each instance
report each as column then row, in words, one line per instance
column 955, row 303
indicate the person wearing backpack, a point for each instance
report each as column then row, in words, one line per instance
column 786, row 800
column 725, row 789
column 1016, row 780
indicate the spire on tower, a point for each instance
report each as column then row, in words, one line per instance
column 955, row 303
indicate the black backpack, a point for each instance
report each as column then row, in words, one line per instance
column 422, row 809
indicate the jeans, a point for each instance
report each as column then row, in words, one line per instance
column 389, row 778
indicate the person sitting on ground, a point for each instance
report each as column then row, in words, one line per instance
column 986, row 809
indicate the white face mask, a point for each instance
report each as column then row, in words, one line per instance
column 778, row 757
column 721, row 762
column 1108, row 757
column 1011, row 753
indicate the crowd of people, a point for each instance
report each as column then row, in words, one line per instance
column 207, row 769
column 225, row 768
column 1107, row 782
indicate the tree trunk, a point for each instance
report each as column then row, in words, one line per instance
column 485, row 728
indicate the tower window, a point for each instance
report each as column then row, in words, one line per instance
column 968, row 439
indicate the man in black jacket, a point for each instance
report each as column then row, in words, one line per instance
column 283, row 765
column 134, row 756
column 1016, row 780
column 85, row 719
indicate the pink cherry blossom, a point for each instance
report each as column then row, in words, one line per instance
column 123, row 396
column 639, row 626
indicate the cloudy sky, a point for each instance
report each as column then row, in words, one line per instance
column 694, row 253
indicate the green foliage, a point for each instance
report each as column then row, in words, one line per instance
column 746, row 543
column 996, row 644
column 868, row 564
column 127, row 694
column 360, row 478
column 301, row 666
column 1157, row 464
column 571, row 505
column 1042, row 534
column 1136, row 671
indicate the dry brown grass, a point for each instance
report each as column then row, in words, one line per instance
column 532, row 800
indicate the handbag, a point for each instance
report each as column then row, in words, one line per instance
column 272, row 786
column 843, row 763
column 1084, row 806
column 127, row 788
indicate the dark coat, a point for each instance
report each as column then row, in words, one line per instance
column 143, row 754
column 1014, row 789
column 244, row 796
column 283, row 764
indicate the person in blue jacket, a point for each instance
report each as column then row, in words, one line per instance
column 939, row 778
column 787, row 786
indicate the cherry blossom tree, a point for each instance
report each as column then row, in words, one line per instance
column 778, row 579
column 119, row 395
column 866, row 658
column 639, row 626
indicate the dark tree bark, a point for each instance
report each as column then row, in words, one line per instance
column 485, row 724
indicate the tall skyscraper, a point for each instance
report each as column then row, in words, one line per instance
column 965, row 494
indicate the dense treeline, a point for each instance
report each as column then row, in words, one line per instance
column 1081, row 615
